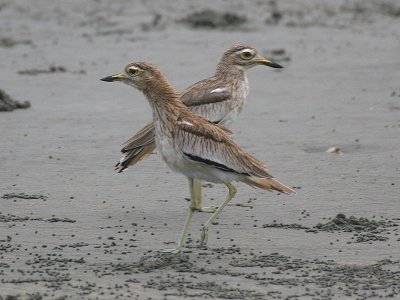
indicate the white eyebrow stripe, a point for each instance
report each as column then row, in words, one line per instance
column 247, row 50
column 218, row 90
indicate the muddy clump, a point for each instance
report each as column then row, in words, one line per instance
column 210, row 19
column 50, row 70
column 363, row 229
column 351, row 224
column 8, row 42
column 9, row 104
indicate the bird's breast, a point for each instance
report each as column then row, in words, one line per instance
column 166, row 147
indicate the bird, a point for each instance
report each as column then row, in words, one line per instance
column 194, row 146
column 219, row 99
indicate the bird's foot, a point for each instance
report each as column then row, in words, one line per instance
column 210, row 209
column 176, row 250
column 204, row 237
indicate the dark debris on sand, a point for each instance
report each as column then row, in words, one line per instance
column 218, row 273
column 35, row 296
column 321, row 279
column 364, row 281
column 150, row 263
column 8, row 42
column 50, row 70
column 10, row 218
column 23, row 196
column 351, row 224
column 211, row 19
column 339, row 15
column 9, row 104
column 364, row 229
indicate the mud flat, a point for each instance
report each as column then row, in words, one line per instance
column 72, row 228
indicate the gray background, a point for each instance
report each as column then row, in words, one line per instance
column 89, row 233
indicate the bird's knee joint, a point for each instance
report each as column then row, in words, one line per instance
column 232, row 190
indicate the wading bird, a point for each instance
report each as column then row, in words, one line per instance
column 219, row 99
column 194, row 146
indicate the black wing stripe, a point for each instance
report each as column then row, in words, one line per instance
column 213, row 163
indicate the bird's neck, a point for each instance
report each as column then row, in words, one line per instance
column 165, row 103
column 228, row 71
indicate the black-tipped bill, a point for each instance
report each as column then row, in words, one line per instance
column 108, row 79
column 113, row 78
column 272, row 64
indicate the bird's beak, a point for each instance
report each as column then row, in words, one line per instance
column 266, row 62
column 115, row 77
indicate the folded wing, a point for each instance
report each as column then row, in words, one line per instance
column 208, row 143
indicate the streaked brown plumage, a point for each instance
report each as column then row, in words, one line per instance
column 194, row 146
column 218, row 99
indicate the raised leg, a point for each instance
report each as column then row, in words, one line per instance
column 204, row 232
column 191, row 210
column 196, row 185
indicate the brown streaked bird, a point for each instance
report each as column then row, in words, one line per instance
column 219, row 99
column 194, row 146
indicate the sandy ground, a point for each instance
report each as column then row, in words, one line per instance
column 72, row 228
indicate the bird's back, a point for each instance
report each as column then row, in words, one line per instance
column 217, row 99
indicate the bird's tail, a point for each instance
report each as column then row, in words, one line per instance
column 133, row 156
column 268, row 184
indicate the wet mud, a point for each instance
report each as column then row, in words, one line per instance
column 71, row 228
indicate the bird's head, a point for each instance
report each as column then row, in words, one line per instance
column 141, row 75
column 148, row 79
column 245, row 57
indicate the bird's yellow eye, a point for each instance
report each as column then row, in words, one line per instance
column 133, row 71
column 247, row 55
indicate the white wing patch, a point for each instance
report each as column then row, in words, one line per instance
column 187, row 123
column 218, row 90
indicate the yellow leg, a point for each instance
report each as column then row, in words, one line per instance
column 181, row 242
column 191, row 210
column 196, row 185
column 204, row 232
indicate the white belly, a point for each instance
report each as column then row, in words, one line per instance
column 168, row 152
column 180, row 163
